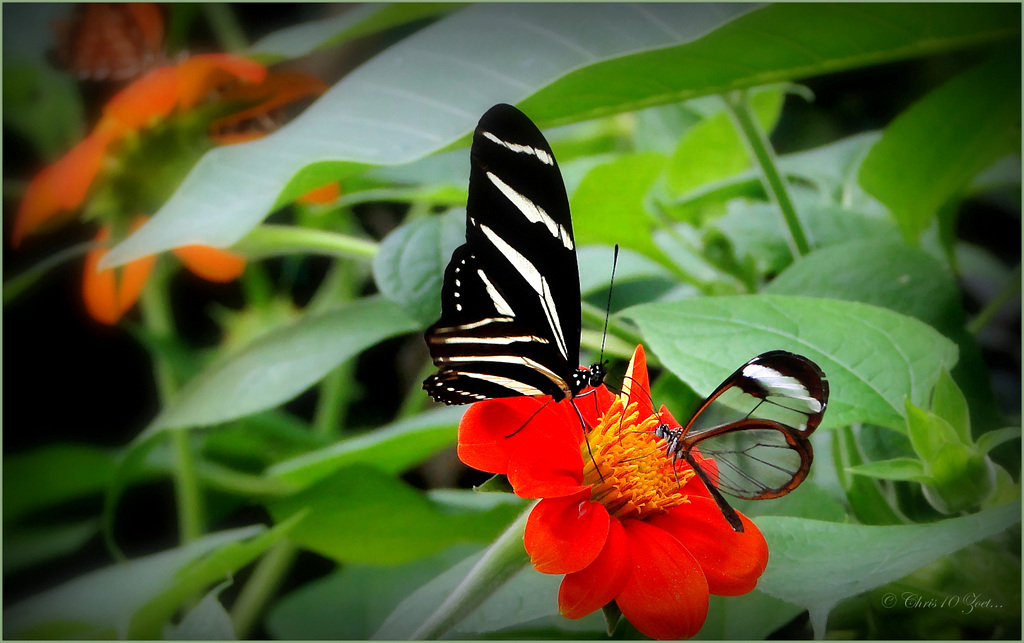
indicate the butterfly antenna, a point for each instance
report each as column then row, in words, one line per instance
column 608, row 308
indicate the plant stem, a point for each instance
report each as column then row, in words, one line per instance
column 761, row 148
column 261, row 586
column 156, row 314
column 15, row 286
column 1011, row 289
column 500, row 562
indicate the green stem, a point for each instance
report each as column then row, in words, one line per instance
column 764, row 155
column 500, row 562
column 15, row 286
column 261, row 587
column 225, row 27
column 274, row 240
column 156, row 314
column 1010, row 290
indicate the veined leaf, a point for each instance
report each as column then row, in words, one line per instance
column 873, row 357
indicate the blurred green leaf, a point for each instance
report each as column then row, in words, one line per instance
column 895, row 469
column 207, row 621
column 712, row 150
column 949, row 403
column 881, row 273
column 358, row 21
column 101, row 604
column 410, row 264
column 281, row 364
column 25, row 547
column 43, row 106
column 444, row 77
column 391, row 449
column 527, row 602
column 608, row 206
column 363, row 515
column 816, row 564
column 52, row 474
column 350, row 604
column 872, row 357
column 931, row 152
column 992, row 439
column 751, row 617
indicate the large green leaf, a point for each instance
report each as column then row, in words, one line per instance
column 31, row 480
column 873, row 357
column 282, row 363
column 415, row 98
column 363, row 515
column 410, row 264
column 816, row 564
column 350, row 604
column 135, row 597
column 931, row 152
column 391, row 449
column 357, row 22
column 428, row 90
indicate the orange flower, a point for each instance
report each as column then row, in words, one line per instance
column 61, row 189
column 615, row 517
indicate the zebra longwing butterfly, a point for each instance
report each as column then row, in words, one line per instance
column 510, row 303
column 755, row 426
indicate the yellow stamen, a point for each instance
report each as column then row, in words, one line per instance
column 636, row 477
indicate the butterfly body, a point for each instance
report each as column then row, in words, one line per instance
column 510, row 301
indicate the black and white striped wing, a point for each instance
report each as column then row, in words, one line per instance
column 756, row 425
column 510, row 303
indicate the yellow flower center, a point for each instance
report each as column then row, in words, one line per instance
column 629, row 472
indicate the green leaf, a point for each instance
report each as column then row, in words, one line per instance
column 529, row 598
column 357, row 22
column 928, row 432
column 930, row 153
column 608, row 206
column 42, row 105
column 962, row 480
column 750, row 617
column 712, row 150
column 281, row 364
column 817, row 564
column 363, row 515
column 351, row 604
column 409, row 267
column 25, row 547
column 950, row 404
column 895, row 469
column 207, row 621
column 391, row 449
column 873, row 358
column 866, row 500
column 777, row 43
column 53, row 474
column 992, row 439
column 103, row 602
column 446, row 76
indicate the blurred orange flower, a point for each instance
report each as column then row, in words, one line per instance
column 245, row 89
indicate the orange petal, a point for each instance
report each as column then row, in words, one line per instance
column 328, row 193
column 732, row 562
column 108, row 298
column 601, row 581
column 200, row 74
column 666, row 595
column 636, row 387
column 564, row 535
column 61, row 187
column 212, row 264
column 152, row 96
column 277, row 89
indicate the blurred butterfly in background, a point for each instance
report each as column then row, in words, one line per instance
column 111, row 41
